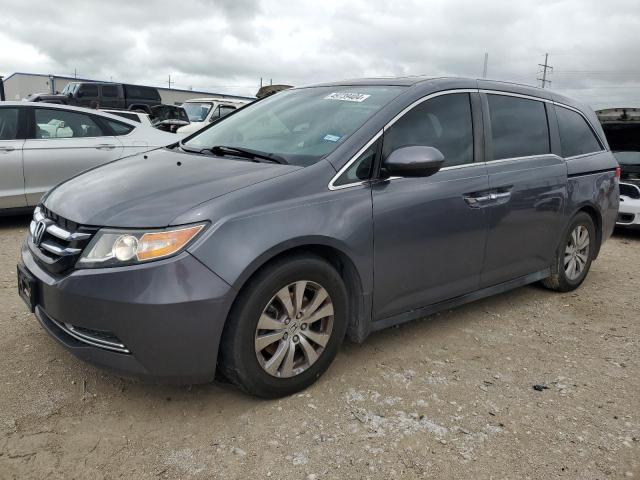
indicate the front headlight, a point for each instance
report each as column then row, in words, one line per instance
column 115, row 248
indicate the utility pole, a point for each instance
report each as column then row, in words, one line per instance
column 545, row 66
column 75, row 73
column 170, row 82
column 486, row 62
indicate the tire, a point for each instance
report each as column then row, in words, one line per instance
column 244, row 360
column 563, row 279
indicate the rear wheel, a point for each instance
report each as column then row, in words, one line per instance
column 574, row 256
column 285, row 328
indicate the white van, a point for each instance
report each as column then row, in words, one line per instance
column 202, row 111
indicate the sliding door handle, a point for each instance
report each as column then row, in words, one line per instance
column 500, row 196
column 477, row 201
column 7, row 149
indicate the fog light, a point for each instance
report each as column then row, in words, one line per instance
column 125, row 247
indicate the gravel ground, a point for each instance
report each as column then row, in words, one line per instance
column 447, row 397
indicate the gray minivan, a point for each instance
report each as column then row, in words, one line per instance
column 258, row 243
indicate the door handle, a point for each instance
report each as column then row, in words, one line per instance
column 500, row 195
column 105, row 146
column 478, row 200
column 7, row 149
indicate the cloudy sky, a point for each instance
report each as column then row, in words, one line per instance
column 227, row 45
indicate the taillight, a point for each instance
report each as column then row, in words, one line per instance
column 618, row 173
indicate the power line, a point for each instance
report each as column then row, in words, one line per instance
column 545, row 66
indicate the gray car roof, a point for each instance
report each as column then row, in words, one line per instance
column 444, row 83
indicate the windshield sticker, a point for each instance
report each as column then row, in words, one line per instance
column 331, row 138
column 347, row 96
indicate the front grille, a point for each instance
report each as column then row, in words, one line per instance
column 55, row 241
column 630, row 190
column 625, row 217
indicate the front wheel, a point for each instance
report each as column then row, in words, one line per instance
column 285, row 328
column 574, row 256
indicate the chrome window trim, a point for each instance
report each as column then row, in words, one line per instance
column 350, row 162
column 583, row 155
column 489, row 162
column 559, row 104
column 519, row 95
column 424, row 99
column 331, row 185
column 526, row 157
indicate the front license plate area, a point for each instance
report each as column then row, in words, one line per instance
column 27, row 287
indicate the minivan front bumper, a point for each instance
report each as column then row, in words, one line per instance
column 161, row 320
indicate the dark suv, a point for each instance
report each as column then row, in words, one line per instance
column 258, row 243
column 103, row 95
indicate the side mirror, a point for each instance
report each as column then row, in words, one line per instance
column 413, row 161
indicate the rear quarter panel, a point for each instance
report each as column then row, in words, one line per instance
column 591, row 182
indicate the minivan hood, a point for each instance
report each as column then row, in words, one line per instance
column 150, row 190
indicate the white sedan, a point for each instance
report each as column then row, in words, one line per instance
column 44, row 144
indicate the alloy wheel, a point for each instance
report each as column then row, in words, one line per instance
column 294, row 329
column 576, row 253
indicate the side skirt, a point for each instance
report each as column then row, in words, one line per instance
column 461, row 300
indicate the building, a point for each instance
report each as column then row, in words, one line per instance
column 19, row 85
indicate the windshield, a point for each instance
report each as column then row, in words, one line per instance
column 301, row 126
column 627, row 158
column 197, row 112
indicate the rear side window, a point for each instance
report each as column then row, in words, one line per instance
column 8, row 123
column 110, row 91
column 576, row 136
column 55, row 123
column 149, row 93
column 518, row 127
column 443, row 122
column 146, row 93
column 88, row 90
column 119, row 128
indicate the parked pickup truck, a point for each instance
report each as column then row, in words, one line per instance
column 103, row 95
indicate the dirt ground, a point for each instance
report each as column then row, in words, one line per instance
column 447, row 397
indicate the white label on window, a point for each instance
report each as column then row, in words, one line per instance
column 347, row 96
column 331, row 138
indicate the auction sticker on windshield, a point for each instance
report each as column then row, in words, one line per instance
column 347, row 96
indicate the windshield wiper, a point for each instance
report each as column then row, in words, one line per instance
column 247, row 153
